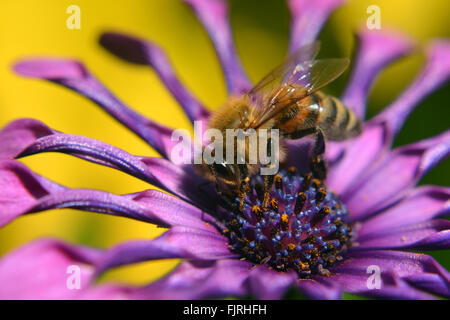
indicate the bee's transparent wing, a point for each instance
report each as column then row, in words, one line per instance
column 313, row 75
column 299, row 81
column 277, row 76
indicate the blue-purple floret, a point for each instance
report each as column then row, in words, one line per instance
column 303, row 226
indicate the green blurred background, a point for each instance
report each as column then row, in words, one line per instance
column 38, row 28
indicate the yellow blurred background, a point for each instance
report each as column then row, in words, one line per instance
column 38, row 28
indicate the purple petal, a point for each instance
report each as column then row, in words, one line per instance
column 430, row 282
column 435, row 74
column 27, row 136
column 370, row 60
column 214, row 17
column 429, row 235
column 185, row 184
column 25, row 192
column 74, row 75
column 358, row 155
column 393, row 176
column 97, row 201
column 398, row 290
column 267, row 284
column 177, row 242
column 20, row 190
column 91, row 150
column 156, row 171
column 298, row 154
column 423, row 204
column 150, row 206
column 173, row 211
column 200, row 279
column 41, row 270
column 400, row 272
column 308, row 17
column 88, row 149
column 19, row 134
column 139, row 51
column 319, row 289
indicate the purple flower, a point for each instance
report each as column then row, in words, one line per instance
column 325, row 237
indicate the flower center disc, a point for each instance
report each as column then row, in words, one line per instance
column 304, row 226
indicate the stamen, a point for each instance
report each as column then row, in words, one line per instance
column 292, row 171
column 278, row 182
column 284, row 221
column 318, row 217
column 321, row 194
column 274, row 204
column 259, row 189
column 257, row 212
column 306, row 181
column 301, row 198
column 316, row 183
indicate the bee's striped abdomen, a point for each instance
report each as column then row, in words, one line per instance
column 336, row 120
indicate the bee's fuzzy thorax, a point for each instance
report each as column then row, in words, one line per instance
column 234, row 114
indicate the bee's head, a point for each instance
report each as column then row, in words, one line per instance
column 224, row 170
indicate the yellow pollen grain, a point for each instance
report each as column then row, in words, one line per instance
column 303, row 265
column 256, row 209
column 274, row 203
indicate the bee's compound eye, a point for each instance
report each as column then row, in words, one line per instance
column 222, row 168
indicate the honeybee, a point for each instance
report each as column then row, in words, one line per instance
column 287, row 99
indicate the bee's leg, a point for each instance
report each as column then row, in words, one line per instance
column 244, row 187
column 268, row 179
column 317, row 162
column 213, row 172
column 268, row 182
column 222, row 195
column 201, row 186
